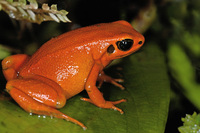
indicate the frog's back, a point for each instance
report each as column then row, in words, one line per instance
column 85, row 35
column 82, row 39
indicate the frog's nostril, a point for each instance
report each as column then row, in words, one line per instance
column 140, row 42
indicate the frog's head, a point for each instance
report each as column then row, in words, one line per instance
column 125, row 42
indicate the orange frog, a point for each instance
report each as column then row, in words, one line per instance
column 68, row 64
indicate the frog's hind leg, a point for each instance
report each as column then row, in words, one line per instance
column 35, row 96
column 11, row 64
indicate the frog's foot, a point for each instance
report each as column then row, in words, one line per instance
column 34, row 95
column 107, row 104
column 11, row 64
column 105, row 78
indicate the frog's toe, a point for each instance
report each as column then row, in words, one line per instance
column 115, row 82
column 107, row 104
column 105, row 78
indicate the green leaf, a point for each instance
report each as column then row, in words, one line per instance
column 4, row 52
column 146, row 109
column 183, row 71
column 148, row 90
column 191, row 42
column 191, row 124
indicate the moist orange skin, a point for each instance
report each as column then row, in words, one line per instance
column 65, row 66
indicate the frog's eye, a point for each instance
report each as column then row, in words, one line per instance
column 125, row 44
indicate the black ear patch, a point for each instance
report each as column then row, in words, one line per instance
column 125, row 44
column 111, row 49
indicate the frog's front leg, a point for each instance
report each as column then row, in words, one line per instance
column 102, row 77
column 95, row 95
column 39, row 95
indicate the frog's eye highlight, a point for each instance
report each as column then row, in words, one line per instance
column 111, row 49
column 125, row 44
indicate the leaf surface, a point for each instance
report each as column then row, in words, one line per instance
column 146, row 109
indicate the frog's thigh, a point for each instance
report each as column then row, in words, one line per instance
column 31, row 105
column 36, row 90
column 38, row 95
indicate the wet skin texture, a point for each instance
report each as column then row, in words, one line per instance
column 68, row 64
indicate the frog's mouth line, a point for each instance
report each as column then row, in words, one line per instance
column 128, row 53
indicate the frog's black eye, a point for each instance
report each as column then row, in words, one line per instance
column 125, row 44
column 111, row 49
